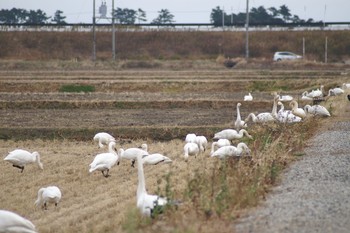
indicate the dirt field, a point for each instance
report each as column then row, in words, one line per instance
column 134, row 106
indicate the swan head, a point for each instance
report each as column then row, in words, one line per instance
column 239, row 104
column 144, row 147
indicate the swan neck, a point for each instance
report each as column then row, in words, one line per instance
column 37, row 158
column 238, row 113
column 40, row 194
column 141, row 188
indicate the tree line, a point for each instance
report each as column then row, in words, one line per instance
column 218, row 16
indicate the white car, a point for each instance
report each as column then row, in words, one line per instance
column 284, row 55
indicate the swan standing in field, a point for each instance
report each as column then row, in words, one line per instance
column 239, row 123
column 202, row 143
column 146, row 203
column 248, row 97
column 335, row 91
column 231, row 134
column 220, row 143
column 296, row 110
column 228, row 151
column 50, row 194
column 316, row 110
column 19, row 158
column 12, row 222
column 103, row 139
column 105, row 161
column 286, row 116
column 190, row 148
column 132, row 153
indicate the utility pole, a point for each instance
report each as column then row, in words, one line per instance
column 247, row 33
column 113, row 32
column 94, row 33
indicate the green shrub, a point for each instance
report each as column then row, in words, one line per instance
column 77, row 88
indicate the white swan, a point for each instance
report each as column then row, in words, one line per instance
column 202, row 143
column 191, row 137
column 105, row 161
column 231, row 134
column 50, row 194
column 248, row 97
column 296, row 110
column 285, row 98
column 146, row 203
column 190, row 148
column 12, row 222
column 304, row 96
column 260, row 118
column 316, row 93
column 316, row 110
column 156, row 158
column 227, row 151
column 103, row 139
column 132, row 153
column 220, row 143
column 335, row 91
column 19, row 158
column 239, row 123
column 346, row 85
column 286, row 116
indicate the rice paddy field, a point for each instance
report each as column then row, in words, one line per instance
column 57, row 111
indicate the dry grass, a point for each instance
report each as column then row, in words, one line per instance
column 163, row 45
column 212, row 191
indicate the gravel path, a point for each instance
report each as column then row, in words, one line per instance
column 314, row 195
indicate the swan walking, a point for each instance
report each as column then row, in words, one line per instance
column 103, row 139
column 296, row 110
column 219, row 143
column 190, row 148
column 146, row 203
column 229, row 151
column 12, row 222
column 50, row 194
column 316, row 110
column 286, row 116
column 231, row 134
column 19, row 158
column 239, row 123
column 105, row 161
column 248, row 97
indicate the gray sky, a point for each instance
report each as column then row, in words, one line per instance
column 186, row 11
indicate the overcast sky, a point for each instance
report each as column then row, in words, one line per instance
column 186, row 11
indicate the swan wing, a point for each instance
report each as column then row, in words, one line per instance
column 11, row 222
